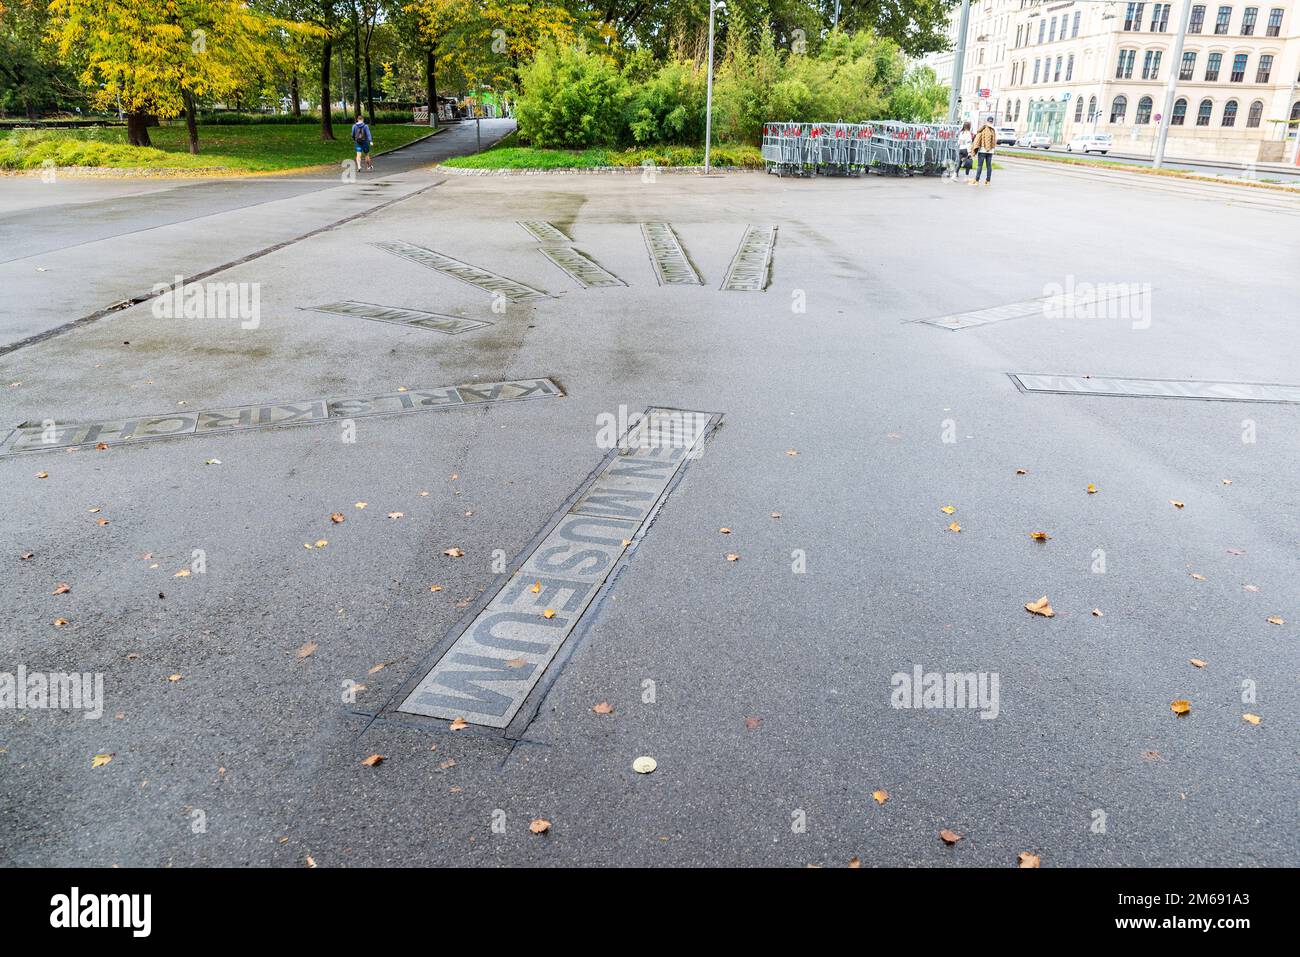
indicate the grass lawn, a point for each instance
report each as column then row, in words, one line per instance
column 248, row 148
column 508, row 154
column 1149, row 171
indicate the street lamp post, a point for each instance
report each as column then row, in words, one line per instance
column 958, row 61
column 708, row 104
column 1158, row 160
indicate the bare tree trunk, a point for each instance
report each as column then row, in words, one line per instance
column 370, row 89
column 137, row 129
column 296, row 107
column 326, row 129
column 191, row 122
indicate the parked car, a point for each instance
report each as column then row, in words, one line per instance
column 1038, row 141
column 1006, row 135
column 1090, row 143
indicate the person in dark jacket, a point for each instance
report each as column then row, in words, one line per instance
column 362, row 140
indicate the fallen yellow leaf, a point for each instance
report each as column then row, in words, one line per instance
column 1180, row 707
column 539, row 825
column 1040, row 607
column 948, row 509
column 549, row 613
column 1197, row 662
column 1039, row 536
column 880, row 796
column 373, row 760
column 435, row 588
column 458, row 725
column 1198, row 577
column 1252, row 718
column 338, row 518
column 1275, row 620
column 954, row 527
column 536, row 587
column 175, row 677
column 1092, row 489
column 99, row 760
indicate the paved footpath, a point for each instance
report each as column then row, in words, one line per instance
column 71, row 248
column 897, row 382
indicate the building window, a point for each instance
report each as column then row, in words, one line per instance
column 1143, row 114
column 1133, row 16
column 1265, row 68
column 1042, row 29
column 1229, row 113
column 1074, row 32
column 1124, row 67
column 1160, row 18
column 1017, row 109
column 1117, row 108
column 1020, row 29
column 1056, row 77
column 1248, row 21
column 1239, row 67
column 1212, row 64
column 1092, row 108
column 1189, row 66
column 1203, row 113
column 1221, row 21
column 1036, row 67
column 1274, row 22
column 1151, row 65
column 1197, row 22
column 1179, row 114
column 1078, row 110
column 1069, row 68
column 1255, row 114
column 1051, row 31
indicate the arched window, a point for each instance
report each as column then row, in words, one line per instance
column 1017, row 109
column 1118, row 107
column 1143, row 114
column 1078, row 110
column 1008, row 112
column 1092, row 107
column 1255, row 114
column 1203, row 113
column 1229, row 113
column 1294, row 126
column 1180, row 113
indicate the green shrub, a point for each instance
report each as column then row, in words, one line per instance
column 571, row 97
column 667, row 106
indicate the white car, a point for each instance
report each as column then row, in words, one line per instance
column 1090, row 143
column 1006, row 135
column 1035, row 141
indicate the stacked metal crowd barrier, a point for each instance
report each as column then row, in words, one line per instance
column 850, row 149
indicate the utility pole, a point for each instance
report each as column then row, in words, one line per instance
column 958, row 61
column 1177, row 64
column 708, row 105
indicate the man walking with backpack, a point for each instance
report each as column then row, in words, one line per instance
column 983, row 145
column 362, row 140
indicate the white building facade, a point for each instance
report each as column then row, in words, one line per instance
column 1069, row 67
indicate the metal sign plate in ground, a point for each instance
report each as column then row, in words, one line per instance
column 474, row 275
column 584, row 271
column 436, row 321
column 1158, row 388
column 544, row 232
column 672, row 266
column 749, row 268
column 492, row 665
column 1104, row 301
column 248, row 417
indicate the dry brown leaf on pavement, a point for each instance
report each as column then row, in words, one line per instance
column 880, row 796
column 453, row 552
column 1275, row 620
column 459, row 724
column 1040, row 607
column 1180, row 707
column 1175, row 503
column 1197, row 662
column 603, row 707
column 62, row 588
column 338, row 518
column 1252, row 718
column 1026, row 859
column 949, row 837
column 373, row 760
column 753, row 724
column 307, row 650
column 99, row 760
column 539, row 825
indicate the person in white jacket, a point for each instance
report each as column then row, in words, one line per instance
column 963, row 150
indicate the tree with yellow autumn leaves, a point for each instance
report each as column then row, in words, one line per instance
column 153, row 58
